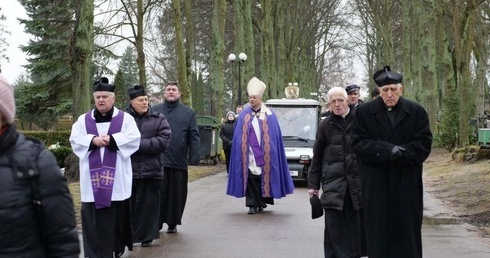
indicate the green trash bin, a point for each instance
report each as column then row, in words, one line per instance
column 211, row 144
column 484, row 136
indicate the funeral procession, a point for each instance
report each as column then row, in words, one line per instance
column 245, row 128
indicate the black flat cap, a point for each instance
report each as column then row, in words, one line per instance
column 103, row 85
column 352, row 88
column 385, row 76
column 316, row 207
column 136, row 91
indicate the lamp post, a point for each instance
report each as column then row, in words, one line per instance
column 242, row 57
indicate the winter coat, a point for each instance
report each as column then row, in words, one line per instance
column 226, row 133
column 392, row 186
column 334, row 165
column 20, row 231
column 184, row 145
column 155, row 138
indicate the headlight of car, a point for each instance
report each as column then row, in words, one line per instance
column 304, row 159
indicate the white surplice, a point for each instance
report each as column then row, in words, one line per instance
column 128, row 141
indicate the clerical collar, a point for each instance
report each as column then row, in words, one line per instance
column 102, row 118
column 348, row 111
column 389, row 109
column 255, row 112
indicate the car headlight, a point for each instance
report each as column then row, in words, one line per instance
column 304, row 159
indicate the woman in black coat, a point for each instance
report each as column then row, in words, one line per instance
column 226, row 135
column 27, row 169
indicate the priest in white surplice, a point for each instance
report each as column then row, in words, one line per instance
column 104, row 139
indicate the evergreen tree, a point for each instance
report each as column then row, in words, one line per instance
column 126, row 77
column 50, row 24
column 122, row 99
column 129, row 67
column 3, row 43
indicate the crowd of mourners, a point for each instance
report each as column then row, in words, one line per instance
column 366, row 172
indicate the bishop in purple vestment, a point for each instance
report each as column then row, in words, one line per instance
column 258, row 168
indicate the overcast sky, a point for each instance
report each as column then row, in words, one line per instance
column 12, row 10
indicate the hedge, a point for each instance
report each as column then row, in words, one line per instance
column 58, row 139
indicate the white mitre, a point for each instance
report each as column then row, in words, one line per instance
column 256, row 87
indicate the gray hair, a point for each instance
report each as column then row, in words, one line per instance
column 112, row 94
column 336, row 91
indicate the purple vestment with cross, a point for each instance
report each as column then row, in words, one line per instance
column 103, row 171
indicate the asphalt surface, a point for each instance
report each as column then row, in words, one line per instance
column 216, row 225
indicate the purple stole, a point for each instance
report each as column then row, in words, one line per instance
column 254, row 143
column 102, row 172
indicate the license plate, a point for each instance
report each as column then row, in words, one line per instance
column 294, row 172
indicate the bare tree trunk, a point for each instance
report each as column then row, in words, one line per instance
column 382, row 17
column 137, row 28
column 407, row 47
column 82, row 46
column 189, row 45
column 217, row 56
column 281, row 54
column 240, row 8
column 448, row 120
column 481, row 51
column 141, row 59
column 464, row 15
column 250, row 67
column 268, row 48
column 428, row 87
column 186, row 96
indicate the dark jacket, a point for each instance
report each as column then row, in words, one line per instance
column 392, row 187
column 20, row 230
column 334, row 165
column 184, row 145
column 155, row 138
column 226, row 133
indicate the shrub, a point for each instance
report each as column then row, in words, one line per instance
column 61, row 153
column 56, row 141
column 51, row 137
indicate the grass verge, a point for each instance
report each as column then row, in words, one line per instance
column 463, row 187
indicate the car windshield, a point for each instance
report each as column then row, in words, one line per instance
column 297, row 122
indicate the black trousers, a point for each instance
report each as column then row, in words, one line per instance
column 145, row 200
column 227, row 159
column 173, row 196
column 342, row 236
column 253, row 193
column 106, row 230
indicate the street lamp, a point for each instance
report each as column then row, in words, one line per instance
column 242, row 57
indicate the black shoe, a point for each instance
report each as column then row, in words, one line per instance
column 172, row 229
column 118, row 253
column 146, row 243
column 252, row 210
column 260, row 209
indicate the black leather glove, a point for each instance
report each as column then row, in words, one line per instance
column 396, row 152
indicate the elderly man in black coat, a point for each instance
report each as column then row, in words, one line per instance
column 147, row 167
column 335, row 169
column 392, row 139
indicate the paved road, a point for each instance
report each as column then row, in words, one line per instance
column 444, row 236
column 216, row 225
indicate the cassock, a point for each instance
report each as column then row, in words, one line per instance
column 276, row 181
column 392, row 189
column 105, row 229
